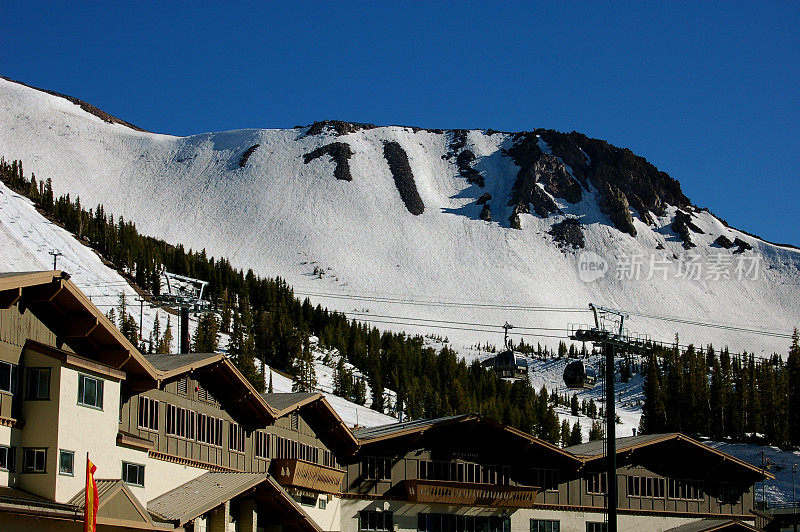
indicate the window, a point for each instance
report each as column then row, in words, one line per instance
column 464, row 472
column 66, row 462
column 372, row 520
column 379, row 468
column 37, row 384
column 8, row 377
column 545, row 525
column 686, row 489
column 323, row 503
column 328, row 459
column 90, row 391
column 183, row 386
column 596, row 483
column 295, row 421
column 133, row 474
column 180, row 422
column 209, row 430
column 261, row 444
column 148, row 413
column 547, row 479
column 236, row 437
column 6, row 458
column 596, row 527
column 730, row 492
column 462, row 523
column 645, row 487
column 34, row 460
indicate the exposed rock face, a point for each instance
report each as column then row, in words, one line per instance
column 483, row 199
column 568, row 233
column 724, row 241
column 246, row 155
column 337, row 126
column 614, row 203
column 340, row 153
column 597, row 162
column 464, row 158
column 682, row 224
column 397, row 158
column 538, row 167
column 486, row 213
column 742, row 245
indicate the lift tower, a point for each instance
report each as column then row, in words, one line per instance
column 184, row 294
column 610, row 342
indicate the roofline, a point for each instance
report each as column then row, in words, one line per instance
column 299, row 404
column 412, row 430
column 679, row 437
column 186, row 368
column 533, row 439
column 250, row 388
column 29, row 279
column 186, row 517
column 339, row 421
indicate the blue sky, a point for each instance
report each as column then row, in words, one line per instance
column 707, row 91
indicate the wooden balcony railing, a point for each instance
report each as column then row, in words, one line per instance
column 301, row 474
column 467, row 494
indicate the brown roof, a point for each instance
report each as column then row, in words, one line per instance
column 206, row 492
column 595, row 450
column 288, row 401
column 180, row 362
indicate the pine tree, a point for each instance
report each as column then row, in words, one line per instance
column 305, row 375
column 565, row 433
column 793, row 370
column 269, row 388
column 653, row 418
column 164, row 345
column 126, row 323
column 205, row 336
column 596, row 432
column 574, row 404
column 575, row 437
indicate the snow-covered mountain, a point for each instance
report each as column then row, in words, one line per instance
column 391, row 224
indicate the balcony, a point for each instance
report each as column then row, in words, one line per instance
column 467, row 494
column 301, row 474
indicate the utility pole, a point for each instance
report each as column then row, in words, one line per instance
column 55, row 253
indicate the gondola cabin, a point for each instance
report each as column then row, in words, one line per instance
column 579, row 376
column 508, row 365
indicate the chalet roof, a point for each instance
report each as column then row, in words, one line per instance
column 393, row 430
column 712, row 525
column 286, row 401
column 125, row 510
column 104, row 486
column 64, row 309
column 168, row 363
column 594, row 450
column 206, row 492
column 597, row 447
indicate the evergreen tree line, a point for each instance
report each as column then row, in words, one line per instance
column 720, row 395
column 266, row 321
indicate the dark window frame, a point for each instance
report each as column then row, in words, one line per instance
column 99, row 389
column 32, row 468
column 29, row 372
column 7, row 457
column 61, row 471
column 8, row 384
column 372, row 520
column 540, row 525
column 127, row 468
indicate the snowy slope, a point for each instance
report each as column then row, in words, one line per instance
column 283, row 217
column 26, row 239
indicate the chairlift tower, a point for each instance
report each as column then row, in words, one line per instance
column 184, row 294
column 610, row 341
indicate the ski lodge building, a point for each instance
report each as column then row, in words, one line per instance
column 184, row 442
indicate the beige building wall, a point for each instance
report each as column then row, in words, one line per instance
column 328, row 519
column 82, row 428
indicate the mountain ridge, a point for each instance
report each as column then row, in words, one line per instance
column 277, row 213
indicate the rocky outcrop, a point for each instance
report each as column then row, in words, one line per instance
column 741, row 245
column 246, row 155
column 483, row 199
column 568, row 233
column 538, row 167
column 682, row 224
column 336, row 126
column 397, row 158
column 486, row 213
column 724, row 242
column 615, row 204
column 340, row 154
column 464, row 158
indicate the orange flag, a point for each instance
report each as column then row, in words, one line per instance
column 92, row 499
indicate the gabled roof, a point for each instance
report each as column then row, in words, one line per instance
column 126, row 509
column 594, row 450
column 206, row 492
column 65, row 310
column 319, row 413
column 285, row 402
column 371, row 435
column 221, row 378
column 713, row 525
